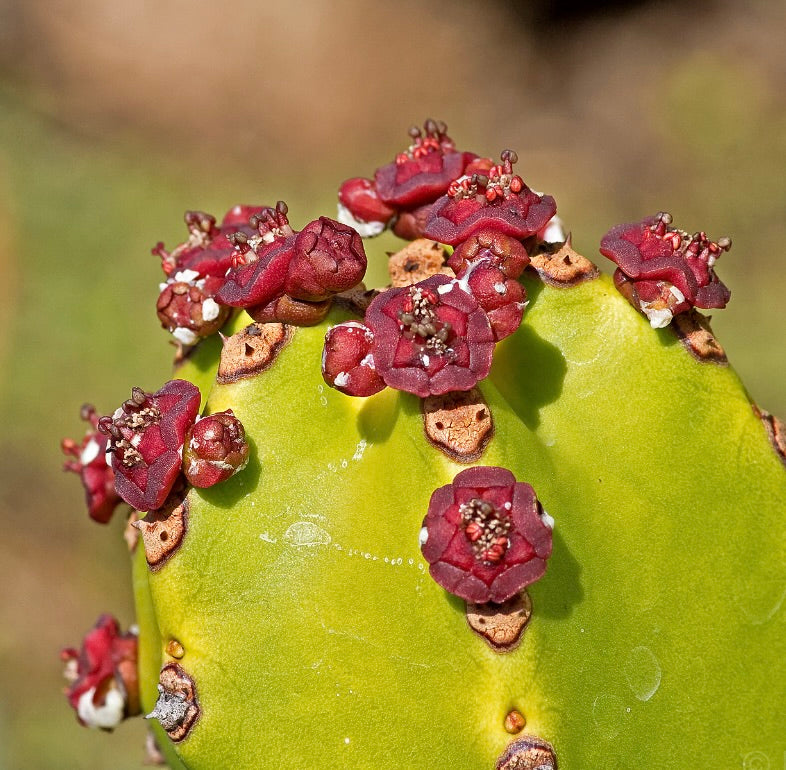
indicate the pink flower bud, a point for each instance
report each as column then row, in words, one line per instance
column 215, row 449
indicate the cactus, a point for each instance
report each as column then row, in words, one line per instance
column 475, row 536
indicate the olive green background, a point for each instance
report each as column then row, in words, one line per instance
column 115, row 118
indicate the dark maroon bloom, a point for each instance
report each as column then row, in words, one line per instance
column 500, row 250
column 410, row 225
column 485, row 535
column 327, row 258
column 499, row 200
column 671, row 271
column 103, row 685
column 188, row 309
column 430, row 338
column 503, row 298
column 215, row 449
column 208, row 251
column 347, row 363
column 146, row 436
column 359, row 207
column 286, row 310
column 261, row 261
column 90, row 463
column 421, row 173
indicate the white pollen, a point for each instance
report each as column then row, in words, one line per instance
column 90, row 452
column 500, row 288
column 184, row 336
column 547, row 520
column 186, row 276
column 678, row 295
column 555, row 231
column 342, row 378
column 423, row 536
column 210, row 309
column 364, row 229
column 107, row 716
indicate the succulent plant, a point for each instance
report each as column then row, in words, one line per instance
column 503, row 513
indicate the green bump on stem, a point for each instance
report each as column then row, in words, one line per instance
column 316, row 637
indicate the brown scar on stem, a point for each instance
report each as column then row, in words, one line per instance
column 563, row 267
column 501, row 625
column 356, row 299
column 163, row 531
column 417, row 261
column 776, row 431
column 514, row 722
column 459, row 424
column 174, row 679
column 251, row 350
column 694, row 332
column 528, row 753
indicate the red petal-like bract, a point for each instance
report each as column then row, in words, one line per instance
column 327, row 258
column 359, row 196
column 500, row 250
column 347, row 363
column 499, row 201
column 90, row 463
column 430, row 338
column 208, row 250
column 262, row 279
column 656, row 256
column 486, row 537
column 215, row 449
column 423, row 172
column 146, row 436
column 107, row 658
column 502, row 298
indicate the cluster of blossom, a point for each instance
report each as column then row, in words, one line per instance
column 150, row 443
column 664, row 271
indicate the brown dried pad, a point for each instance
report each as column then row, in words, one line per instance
column 564, row 267
column 695, row 333
column 163, row 531
column 173, row 679
column 356, row 299
column 776, row 432
column 251, row 351
column 458, row 423
column 528, row 753
column 416, row 262
column 501, row 625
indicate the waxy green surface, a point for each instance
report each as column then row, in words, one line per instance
column 317, row 638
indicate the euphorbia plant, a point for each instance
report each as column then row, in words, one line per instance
column 502, row 513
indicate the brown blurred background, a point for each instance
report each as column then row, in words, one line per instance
column 115, row 117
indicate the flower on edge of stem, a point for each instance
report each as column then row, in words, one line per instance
column 103, row 686
column 486, row 536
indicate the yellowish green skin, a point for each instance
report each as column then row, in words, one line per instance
column 317, row 639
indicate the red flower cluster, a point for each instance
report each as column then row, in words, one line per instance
column 103, row 686
column 90, row 463
column 663, row 270
column 485, row 535
column 146, row 440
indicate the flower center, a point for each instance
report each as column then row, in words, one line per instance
column 433, row 138
column 420, row 322
column 698, row 245
column 486, row 529
column 500, row 183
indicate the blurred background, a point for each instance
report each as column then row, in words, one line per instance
column 115, row 117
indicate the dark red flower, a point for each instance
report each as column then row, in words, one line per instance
column 671, row 271
column 485, row 535
column 502, row 298
column 208, row 251
column 421, row 173
column 261, row 261
column 90, row 463
column 327, row 258
column 103, row 686
column 215, row 449
column 500, row 250
column 359, row 207
column 146, row 436
column 347, row 362
column 188, row 309
column 430, row 338
column 499, row 200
